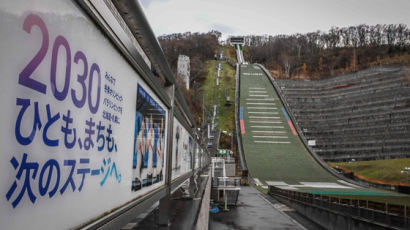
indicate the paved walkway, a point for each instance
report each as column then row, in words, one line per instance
column 253, row 211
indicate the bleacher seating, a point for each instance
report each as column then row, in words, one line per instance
column 361, row 116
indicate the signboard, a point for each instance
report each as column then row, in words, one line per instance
column 181, row 158
column 197, row 150
column 149, row 141
column 191, row 154
column 224, row 151
column 203, row 158
column 72, row 112
column 311, row 142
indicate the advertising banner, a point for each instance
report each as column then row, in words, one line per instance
column 149, row 141
column 203, row 158
column 181, row 158
column 74, row 117
column 196, row 151
column 191, row 154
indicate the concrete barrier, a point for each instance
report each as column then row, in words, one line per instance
column 203, row 217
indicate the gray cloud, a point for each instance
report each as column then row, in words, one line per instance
column 223, row 28
column 270, row 16
column 147, row 3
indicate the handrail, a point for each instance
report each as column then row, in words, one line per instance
column 133, row 15
column 242, row 161
column 373, row 213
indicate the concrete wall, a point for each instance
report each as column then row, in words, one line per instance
column 203, row 217
column 230, row 170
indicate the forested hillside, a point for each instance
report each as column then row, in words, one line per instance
column 308, row 56
column 200, row 47
column 339, row 50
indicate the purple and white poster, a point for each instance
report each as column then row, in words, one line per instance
column 69, row 104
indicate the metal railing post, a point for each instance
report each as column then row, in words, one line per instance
column 164, row 203
column 192, row 178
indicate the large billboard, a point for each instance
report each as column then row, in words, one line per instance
column 71, row 110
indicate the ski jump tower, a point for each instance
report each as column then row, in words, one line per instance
column 238, row 43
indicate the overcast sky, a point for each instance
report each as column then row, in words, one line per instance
column 241, row 17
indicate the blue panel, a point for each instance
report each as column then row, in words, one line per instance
column 286, row 114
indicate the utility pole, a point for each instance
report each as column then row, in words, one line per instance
column 203, row 110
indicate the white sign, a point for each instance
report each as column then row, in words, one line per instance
column 312, row 142
column 181, row 158
column 68, row 125
column 197, row 150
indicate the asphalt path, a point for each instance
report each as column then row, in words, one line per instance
column 255, row 211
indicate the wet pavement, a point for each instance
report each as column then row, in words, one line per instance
column 183, row 211
column 257, row 211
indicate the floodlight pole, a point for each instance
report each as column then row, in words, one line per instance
column 351, row 166
column 231, row 141
column 406, row 171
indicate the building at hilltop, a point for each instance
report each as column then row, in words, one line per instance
column 236, row 41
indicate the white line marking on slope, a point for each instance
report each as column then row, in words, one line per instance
column 257, row 182
column 276, row 183
column 263, row 117
column 263, row 112
column 267, row 126
column 321, row 185
column 273, row 137
column 259, row 103
column 347, row 183
column 262, row 108
column 257, row 91
column 267, row 131
column 273, row 142
column 272, row 122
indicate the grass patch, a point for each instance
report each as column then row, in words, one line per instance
column 209, row 82
column 385, row 170
column 214, row 93
column 226, row 115
column 262, row 190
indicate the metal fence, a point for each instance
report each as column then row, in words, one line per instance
column 381, row 213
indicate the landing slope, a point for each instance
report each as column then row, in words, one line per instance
column 274, row 153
